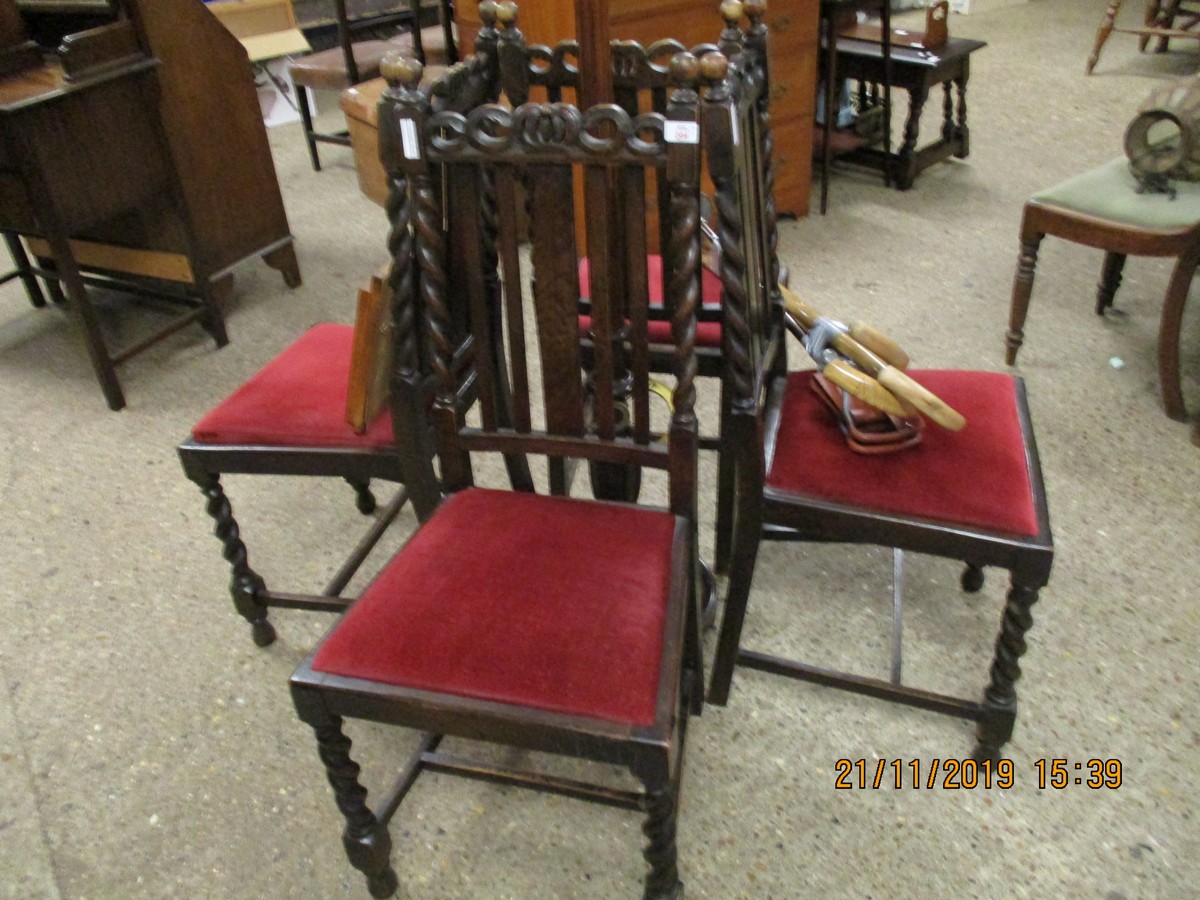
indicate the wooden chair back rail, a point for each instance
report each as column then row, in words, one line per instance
column 738, row 153
column 617, row 450
column 556, row 69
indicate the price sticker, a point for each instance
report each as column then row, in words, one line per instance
column 408, row 139
column 683, row 133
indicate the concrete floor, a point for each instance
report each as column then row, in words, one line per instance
column 151, row 750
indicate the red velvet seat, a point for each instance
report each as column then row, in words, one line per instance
column 973, row 495
column 297, row 400
column 456, row 616
column 289, row 418
column 708, row 333
column 977, row 477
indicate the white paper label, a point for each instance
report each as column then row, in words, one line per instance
column 683, row 133
column 408, row 137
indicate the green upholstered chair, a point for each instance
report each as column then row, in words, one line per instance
column 1104, row 208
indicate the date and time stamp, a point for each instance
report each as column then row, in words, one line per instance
column 969, row 774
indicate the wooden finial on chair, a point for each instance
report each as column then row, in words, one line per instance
column 685, row 68
column 400, row 70
column 730, row 42
column 714, row 67
column 487, row 13
column 506, row 14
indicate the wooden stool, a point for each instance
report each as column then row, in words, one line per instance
column 1103, row 208
column 1159, row 22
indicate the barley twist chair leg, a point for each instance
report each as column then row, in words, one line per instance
column 1000, row 697
column 662, row 883
column 366, row 839
column 246, row 585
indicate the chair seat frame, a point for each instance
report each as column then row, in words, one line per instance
column 1117, row 240
column 408, row 463
column 653, row 754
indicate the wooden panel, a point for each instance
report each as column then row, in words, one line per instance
column 794, row 27
column 92, row 190
column 214, row 125
column 793, row 156
column 555, row 297
column 371, row 354
column 148, row 263
column 266, row 28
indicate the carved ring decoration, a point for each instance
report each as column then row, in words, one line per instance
column 605, row 131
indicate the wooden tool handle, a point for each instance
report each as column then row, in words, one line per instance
column 799, row 310
column 861, row 385
column 909, row 391
column 880, row 344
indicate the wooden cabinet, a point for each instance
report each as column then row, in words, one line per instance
column 793, row 58
column 266, row 28
column 138, row 149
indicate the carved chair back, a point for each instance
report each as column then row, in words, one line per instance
column 739, row 156
column 464, row 172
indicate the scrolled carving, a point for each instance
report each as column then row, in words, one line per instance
column 658, row 56
column 605, row 128
column 447, row 130
column 633, row 65
column 547, row 124
column 493, row 130
column 465, row 84
column 648, row 125
column 489, row 128
column 541, row 60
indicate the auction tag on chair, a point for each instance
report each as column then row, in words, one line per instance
column 683, row 133
column 408, row 139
